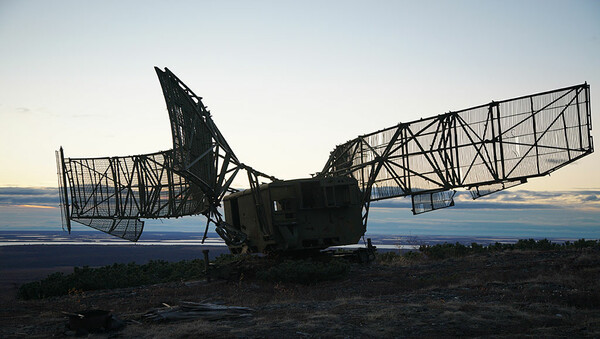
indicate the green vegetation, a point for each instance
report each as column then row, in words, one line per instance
column 303, row 271
column 396, row 258
column 446, row 250
column 112, row 276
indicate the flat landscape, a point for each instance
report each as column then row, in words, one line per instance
column 500, row 294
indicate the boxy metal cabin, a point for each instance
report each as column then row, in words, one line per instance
column 295, row 215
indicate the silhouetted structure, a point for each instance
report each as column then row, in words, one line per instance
column 485, row 149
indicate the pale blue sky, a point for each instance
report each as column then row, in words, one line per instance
column 286, row 81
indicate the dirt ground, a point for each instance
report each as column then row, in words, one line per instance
column 506, row 294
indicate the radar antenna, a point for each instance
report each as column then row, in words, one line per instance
column 485, row 149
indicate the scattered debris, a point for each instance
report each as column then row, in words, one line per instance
column 86, row 321
column 193, row 310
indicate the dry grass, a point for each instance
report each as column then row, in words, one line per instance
column 518, row 293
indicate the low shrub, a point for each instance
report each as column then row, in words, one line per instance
column 446, row 250
column 112, row 276
column 397, row 258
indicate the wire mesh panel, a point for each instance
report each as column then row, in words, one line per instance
column 431, row 201
column 111, row 194
column 193, row 149
column 500, row 142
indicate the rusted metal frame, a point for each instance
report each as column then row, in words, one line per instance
column 151, row 176
column 442, row 151
column 537, row 151
column 376, row 167
column 218, row 137
column 489, row 124
column 490, row 118
column 373, row 150
column 446, row 156
column 330, row 162
column 97, row 186
column 198, row 158
column 405, row 158
column 159, row 171
column 123, row 187
column 351, row 150
column 567, row 162
column 420, row 175
column 352, row 168
column 214, row 179
column 450, row 152
column 184, row 197
column 206, row 235
column 435, row 167
column 86, row 199
column 72, row 190
column 589, row 120
column 77, row 194
column 152, row 197
column 407, row 139
column 390, row 149
column 433, row 152
column 164, row 172
column 259, row 208
column 260, row 174
column 64, row 189
column 167, row 204
column 223, row 174
column 228, row 183
column 579, row 120
column 502, row 162
column 142, row 175
column 209, row 191
column 365, row 213
column 80, row 189
column 459, row 180
column 569, row 90
column 589, row 112
column 396, row 176
column 135, row 199
column 406, row 161
column 558, row 148
column 539, row 138
column 353, row 153
column 464, row 125
column 566, row 136
column 170, row 173
column 333, row 159
column 130, row 199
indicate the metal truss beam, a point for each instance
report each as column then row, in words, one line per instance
column 500, row 143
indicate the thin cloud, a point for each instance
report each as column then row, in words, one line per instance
column 515, row 200
column 28, row 196
column 35, row 206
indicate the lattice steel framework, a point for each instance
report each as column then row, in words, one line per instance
column 485, row 149
column 112, row 194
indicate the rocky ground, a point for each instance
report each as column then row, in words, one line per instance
column 503, row 294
